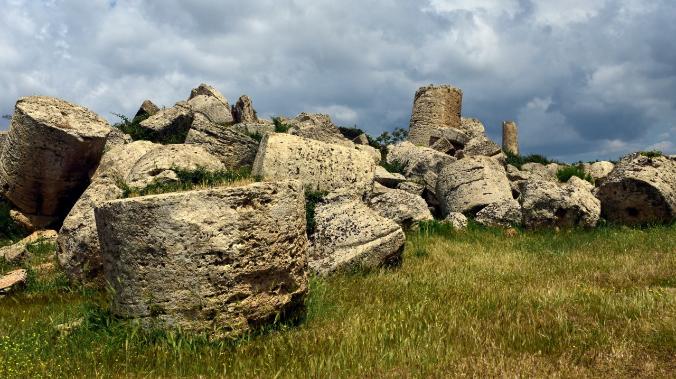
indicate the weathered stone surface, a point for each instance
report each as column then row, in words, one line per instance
column 79, row 251
column 540, row 171
column 19, row 250
column 640, row 190
column 207, row 90
column 411, row 187
column 473, row 127
column 243, row 110
column 510, row 137
column 481, row 146
column 421, row 164
column 3, row 138
column 598, row 170
column 51, row 150
column 320, row 166
column 158, row 163
column 417, row 160
column 12, row 280
column 374, row 153
column 115, row 138
column 514, row 174
column 262, row 127
column 169, row 125
column 503, row 214
column 470, row 184
column 434, row 107
column 212, row 108
column 574, row 180
column 448, row 140
column 546, row 204
column 318, row 127
column 402, row 207
column 388, row 179
column 220, row 261
column 233, row 148
column 147, row 109
column 457, row 220
column 350, row 236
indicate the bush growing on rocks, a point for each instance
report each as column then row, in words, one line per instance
column 565, row 173
column 519, row 160
column 132, row 127
column 199, row 178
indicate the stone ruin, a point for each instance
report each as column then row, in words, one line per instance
column 228, row 259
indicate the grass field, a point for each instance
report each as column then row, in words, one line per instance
column 596, row 303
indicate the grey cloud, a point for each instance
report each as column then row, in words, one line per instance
column 585, row 79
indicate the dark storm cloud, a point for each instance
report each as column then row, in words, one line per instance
column 585, row 79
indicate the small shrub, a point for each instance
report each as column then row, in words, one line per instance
column 387, row 138
column 133, row 127
column 312, row 198
column 652, row 153
column 280, row 127
column 257, row 136
column 187, row 180
column 350, row 132
column 568, row 172
column 519, row 160
column 394, row 167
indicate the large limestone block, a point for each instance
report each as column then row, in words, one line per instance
column 349, row 236
column 320, row 166
column 404, row 208
column 51, row 150
column 416, row 160
column 160, row 162
column 233, row 148
column 640, row 190
column 147, row 109
column 470, row 184
column 169, row 125
column 79, row 250
column 434, row 107
column 481, row 146
column 207, row 90
column 212, row 108
column 318, row 127
column 219, row 261
column 503, row 214
column 243, row 110
column 548, row 204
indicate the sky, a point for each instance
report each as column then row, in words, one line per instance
column 584, row 79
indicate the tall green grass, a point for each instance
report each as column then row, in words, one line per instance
column 598, row 303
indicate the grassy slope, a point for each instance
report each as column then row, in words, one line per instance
column 600, row 303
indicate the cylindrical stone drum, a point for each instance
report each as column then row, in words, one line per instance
column 434, row 107
column 510, row 137
column 51, row 150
